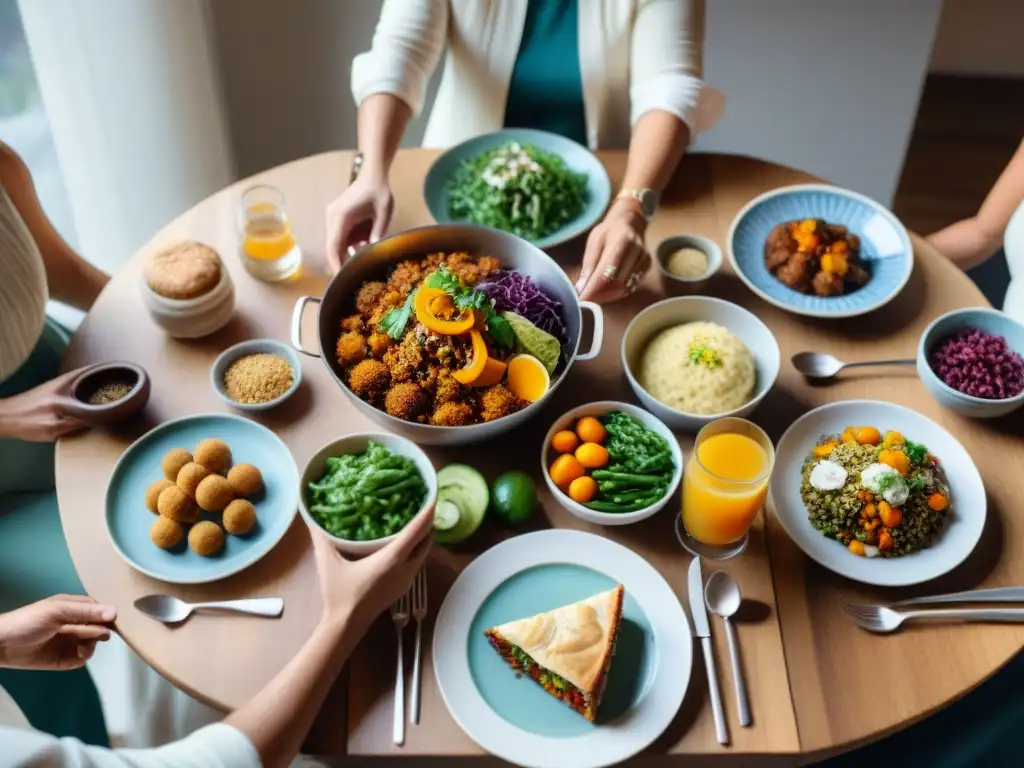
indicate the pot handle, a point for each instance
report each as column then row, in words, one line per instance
column 297, row 314
column 596, row 340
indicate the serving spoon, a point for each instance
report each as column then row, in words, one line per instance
column 722, row 596
column 817, row 366
column 171, row 610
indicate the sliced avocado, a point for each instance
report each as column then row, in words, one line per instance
column 531, row 339
column 466, row 489
column 447, row 514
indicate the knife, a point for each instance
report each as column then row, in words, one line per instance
column 695, row 589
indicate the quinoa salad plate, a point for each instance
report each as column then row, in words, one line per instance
column 878, row 493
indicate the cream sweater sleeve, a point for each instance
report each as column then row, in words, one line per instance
column 666, row 61
column 407, row 45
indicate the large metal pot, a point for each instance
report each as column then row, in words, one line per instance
column 372, row 262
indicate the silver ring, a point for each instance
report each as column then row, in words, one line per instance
column 633, row 283
column 611, row 271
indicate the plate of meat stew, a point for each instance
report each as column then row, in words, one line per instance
column 820, row 251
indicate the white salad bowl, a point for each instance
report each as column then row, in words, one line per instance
column 598, row 409
column 952, row 544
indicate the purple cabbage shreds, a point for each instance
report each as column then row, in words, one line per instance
column 515, row 292
column 979, row 364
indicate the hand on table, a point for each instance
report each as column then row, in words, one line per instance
column 360, row 214
column 615, row 258
column 39, row 415
column 57, row 633
column 364, row 589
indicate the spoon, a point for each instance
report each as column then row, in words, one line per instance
column 722, row 596
column 171, row 610
column 818, row 365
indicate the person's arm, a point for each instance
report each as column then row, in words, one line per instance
column 665, row 106
column 969, row 242
column 70, row 278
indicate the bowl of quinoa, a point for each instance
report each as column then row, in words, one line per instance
column 256, row 375
column 877, row 493
column 972, row 362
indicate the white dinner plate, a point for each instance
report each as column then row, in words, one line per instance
column 514, row 718
column 952, row 544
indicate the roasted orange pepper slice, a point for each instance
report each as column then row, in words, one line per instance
column 477, row 365
column 425, row 303
column 494, row 372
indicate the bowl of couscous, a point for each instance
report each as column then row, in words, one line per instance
column 256, row 375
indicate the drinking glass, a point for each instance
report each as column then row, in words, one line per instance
column 269, row 250
column 724, row 487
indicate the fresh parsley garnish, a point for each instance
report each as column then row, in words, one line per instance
column 469, row 298
column 916, row 452
column 701, row 354
column 393, row 323
column 887, row 481
column 917, row 483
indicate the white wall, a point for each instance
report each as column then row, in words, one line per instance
column 133, row 99
column 981, row 37
column 830, row 86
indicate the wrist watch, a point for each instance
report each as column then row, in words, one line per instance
column 646, row 198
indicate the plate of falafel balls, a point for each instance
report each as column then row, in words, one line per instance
column 201, row 498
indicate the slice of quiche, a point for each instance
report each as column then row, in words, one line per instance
column 568, row 650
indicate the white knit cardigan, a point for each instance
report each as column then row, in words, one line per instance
column 635, row 56
column 23, row 289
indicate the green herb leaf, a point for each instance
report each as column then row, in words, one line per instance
column 887, row 481
column 916, row 452
column 393, row 323
column 501, row 330
column 443, row 279
column 917, row 483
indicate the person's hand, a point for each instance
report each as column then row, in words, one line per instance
column 360, row 214
column 360, row 590
column 59, row 632
column 40, row 414
column 615, row 258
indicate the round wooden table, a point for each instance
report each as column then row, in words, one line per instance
column 817, row 683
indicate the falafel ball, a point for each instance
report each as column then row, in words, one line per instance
column 453, row 414
column 166, row 533
column 448, row 388
column 244, row 479
column 153, row 493
column 379, row 343
column 369, row 377
column 498, row 401
column 351, row 348
column 368, row 297
column 173, row 503
column 214, row 493
column 206, row 538
column 190, row 476
column 406, row 401
column 173, row 461
column 214, row 454
column 239, row 517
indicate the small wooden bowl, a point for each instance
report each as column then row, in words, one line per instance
column 89, row 381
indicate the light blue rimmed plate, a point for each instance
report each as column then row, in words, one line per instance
column 885, row 245
column 128, row 520
column 513, row 718
column 964, row 523
column 576, row 156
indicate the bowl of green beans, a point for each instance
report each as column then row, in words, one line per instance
column 363, row 489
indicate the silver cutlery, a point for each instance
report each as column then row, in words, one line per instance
column 818, row 366
column 419, row 612
column 400, row 616
column 995, row 595
column 722, row 595
column 171, row 610
column 695, row 590
column 883, row 620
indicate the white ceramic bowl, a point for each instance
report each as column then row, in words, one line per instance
column 192, row 318
column 687, row 309
column 951, row 546
column 566, row 421
column 708, row 247
column 316, row 465
column 255, row 347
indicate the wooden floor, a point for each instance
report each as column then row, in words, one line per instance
column 967, row 129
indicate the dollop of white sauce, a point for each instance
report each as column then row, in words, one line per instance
column 828, row 476
column 897, row 491
column 870, row 550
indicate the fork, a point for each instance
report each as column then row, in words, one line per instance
column 883, row 620
column 419, row 612
column 400, row 616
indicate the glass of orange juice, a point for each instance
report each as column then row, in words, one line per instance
column 269, row 250
column 724, row 487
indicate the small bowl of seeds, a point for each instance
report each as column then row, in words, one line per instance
column 688, row 258
column 256, row 375
column 108, row 392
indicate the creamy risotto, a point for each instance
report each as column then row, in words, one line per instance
column 698, row 368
